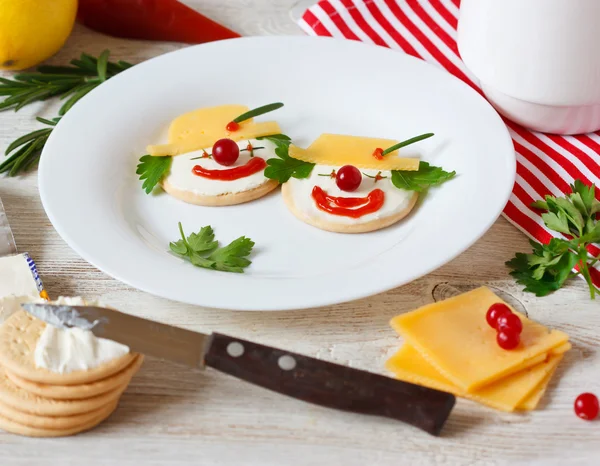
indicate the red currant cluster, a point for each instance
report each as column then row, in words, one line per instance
column 508, row 325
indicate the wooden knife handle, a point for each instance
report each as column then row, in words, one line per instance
column 328, row 384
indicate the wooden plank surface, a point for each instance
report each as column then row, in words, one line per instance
column 172, row 416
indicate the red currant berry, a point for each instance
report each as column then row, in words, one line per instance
column 348, row 178
column 509, row 323
column 494, row 312
column 225, row 152
column 587, row 407
column 508, row 340
column 232, row 126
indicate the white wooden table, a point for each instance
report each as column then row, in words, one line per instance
column 172, row 416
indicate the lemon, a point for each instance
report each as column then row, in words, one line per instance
column 33, row 30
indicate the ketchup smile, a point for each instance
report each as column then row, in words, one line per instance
column 254, row 165
column 343, row 206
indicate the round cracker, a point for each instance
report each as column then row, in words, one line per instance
column 51, row 422
column 373, row 225
column 29, row 431
column 22, row 400
column 76, row 392
column 18, row 338
column 222, row 199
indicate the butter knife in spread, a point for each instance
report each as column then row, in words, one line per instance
column 308, row 379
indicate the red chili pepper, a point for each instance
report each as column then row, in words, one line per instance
column 167, row 20
column 232, row 126
column 378, row 153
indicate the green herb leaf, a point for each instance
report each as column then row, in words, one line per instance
column 196, row 247
column 593, row 235
column 542, row 279
column 50, row 81
column 178, row 247
column 72, row 82
column 422, row 179
column 102, row 64
column 151, row 170
column 52, row 122
column 408, row 142
column 26, row 138
column 557, row 222
column 203, row 241
column 258, row 111
column 285, row 167
column 26, row 150
column 233, row 257
column 550, row 265
column 280, row 140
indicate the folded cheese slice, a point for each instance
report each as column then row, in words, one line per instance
column 454, row 337
column 201, row 128
column 338, row 150
column 532, row 401
column 506, row 394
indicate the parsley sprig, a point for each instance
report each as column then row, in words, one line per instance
column 152, row 169
column 285, row 167
column 202, row 250
column 422, row 179
column 550, row 265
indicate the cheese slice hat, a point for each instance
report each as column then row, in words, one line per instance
column 201, row 128
column 339, row 150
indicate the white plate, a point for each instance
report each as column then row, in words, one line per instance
column 93, row 197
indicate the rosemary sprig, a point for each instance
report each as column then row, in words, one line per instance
column 29, row 149
column 68, row 82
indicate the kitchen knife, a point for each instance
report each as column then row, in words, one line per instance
column 301, row 377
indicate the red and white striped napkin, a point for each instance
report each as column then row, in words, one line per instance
column 546, row 164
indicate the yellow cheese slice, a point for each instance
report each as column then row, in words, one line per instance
column 454, row 337
column 203, row 127
column 506, row 394
column 338, row 150
column 532, row 401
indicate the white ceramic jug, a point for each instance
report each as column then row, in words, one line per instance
column 538, row 61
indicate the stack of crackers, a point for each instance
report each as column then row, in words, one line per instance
column 39, row 403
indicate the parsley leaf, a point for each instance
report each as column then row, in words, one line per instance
column 202, row 250
column 545, row 276
column 550, row 265
column 280, row 140
column 421, row 179
column 233, row 257
column 201, row 242
column 285, row 167
column 151, row 169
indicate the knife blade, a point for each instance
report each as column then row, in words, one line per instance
column 7, row 240
column 301, row 377
column 141, row 335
